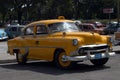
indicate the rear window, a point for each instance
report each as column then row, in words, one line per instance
column 13, row 29
column 20, row 29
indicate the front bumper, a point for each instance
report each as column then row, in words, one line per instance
column 3, row 38
column 90, row 52
column 88, row 57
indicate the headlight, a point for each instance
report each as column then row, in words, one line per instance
column 75, row 42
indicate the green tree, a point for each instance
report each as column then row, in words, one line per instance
column 4, row 9
column 31, row 10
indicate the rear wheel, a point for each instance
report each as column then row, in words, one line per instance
column 99, row 62
column 21, row 59
column 59, row 61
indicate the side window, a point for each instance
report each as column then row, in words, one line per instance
column 20, row 29
column 85, row 27
column 41, row 29
column 29, row 30
column 90, row 27
column 13, row 29
column 80, row 27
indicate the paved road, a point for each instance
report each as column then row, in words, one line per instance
column 3, row 52
column 46, row 71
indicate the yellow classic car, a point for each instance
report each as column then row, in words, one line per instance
column 60, row 41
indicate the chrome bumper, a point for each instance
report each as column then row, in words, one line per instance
column 3, row 38
column 88, row 57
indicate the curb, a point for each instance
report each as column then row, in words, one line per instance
column 7, row 61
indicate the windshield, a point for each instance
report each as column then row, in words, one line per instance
column 63, row 26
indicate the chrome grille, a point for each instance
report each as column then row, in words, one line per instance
column 93, row 49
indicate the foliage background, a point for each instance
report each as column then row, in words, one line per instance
column 32, row 10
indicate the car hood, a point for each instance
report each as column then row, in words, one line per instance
column 84, row 37
column 2, row 32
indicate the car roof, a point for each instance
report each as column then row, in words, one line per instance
column 49, row 21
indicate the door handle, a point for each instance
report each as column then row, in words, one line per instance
column 36, row 42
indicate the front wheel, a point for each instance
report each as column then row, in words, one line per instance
column 99, row 62
column 21, row 59
column 60, row 63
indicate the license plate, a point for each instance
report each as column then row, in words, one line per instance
column 98, row 56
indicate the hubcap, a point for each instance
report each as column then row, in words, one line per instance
column 62, row 60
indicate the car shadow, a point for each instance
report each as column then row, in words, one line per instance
column 50, row 68
column 117, row 52
column 4, row 40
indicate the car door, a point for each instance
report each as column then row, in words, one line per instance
column 29, row 41
column 38, row 42
column 42, row 41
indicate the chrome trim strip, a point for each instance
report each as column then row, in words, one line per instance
column 96, row 50
column 95, row 45
column 87, row 57
column 105, row 48
column 38, row 47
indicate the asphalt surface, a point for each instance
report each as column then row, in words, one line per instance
column 4, row 57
